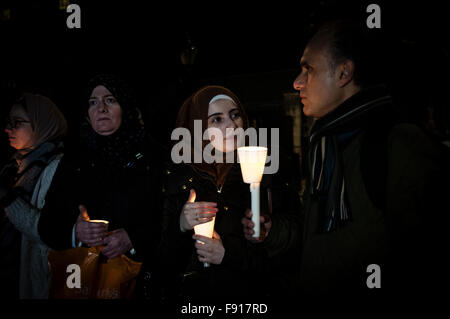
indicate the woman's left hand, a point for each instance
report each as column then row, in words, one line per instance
column 209, row 250
column 116, row 243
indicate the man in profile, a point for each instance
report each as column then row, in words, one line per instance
column 373, row 208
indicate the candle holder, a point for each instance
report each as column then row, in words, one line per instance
column 253, row 160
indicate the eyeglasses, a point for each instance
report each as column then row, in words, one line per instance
column 14, row 123
column 108, row 100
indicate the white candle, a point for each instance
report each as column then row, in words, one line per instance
column 253, row 160
column 254, row 191
column 205, row 229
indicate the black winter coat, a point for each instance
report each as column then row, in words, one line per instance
column 246, row 270
column 129, row 198
column 402, row 232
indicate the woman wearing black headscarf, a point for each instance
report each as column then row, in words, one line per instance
column 198, row 191
column 35, row 202
column 120, row 172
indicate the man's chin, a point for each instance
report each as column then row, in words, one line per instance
column 307, row 111
column 310, row 113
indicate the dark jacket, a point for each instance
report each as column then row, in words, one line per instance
column 394, row 178
column 128, row 197
column 246, row 269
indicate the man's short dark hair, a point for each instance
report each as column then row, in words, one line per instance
column 350, row 40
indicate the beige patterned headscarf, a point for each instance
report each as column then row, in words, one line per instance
column 47, row 121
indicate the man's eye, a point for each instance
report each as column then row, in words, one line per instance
column 217, row 119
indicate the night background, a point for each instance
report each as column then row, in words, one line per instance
column 166, row 51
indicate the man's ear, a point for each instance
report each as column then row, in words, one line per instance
column 346, row 71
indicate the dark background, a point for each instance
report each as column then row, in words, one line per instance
column 253, row 48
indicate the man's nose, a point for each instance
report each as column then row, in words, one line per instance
column 299, row 82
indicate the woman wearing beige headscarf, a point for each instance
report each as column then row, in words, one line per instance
column 200, row 191
column 34, row 201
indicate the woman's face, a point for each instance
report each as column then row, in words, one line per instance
column 19, row 130
column 105, row 112
column 223, row 114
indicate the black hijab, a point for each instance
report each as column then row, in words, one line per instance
column 119, row 148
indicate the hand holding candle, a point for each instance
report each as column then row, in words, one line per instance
column 253, row 160
column 200, row 216
column 209, row 250
column 90, row 232
column 195, row 213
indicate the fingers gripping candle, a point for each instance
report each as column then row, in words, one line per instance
column 204, row 229
column 252, row 160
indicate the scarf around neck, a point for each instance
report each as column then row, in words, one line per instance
column 329, row 136
column 31, row 165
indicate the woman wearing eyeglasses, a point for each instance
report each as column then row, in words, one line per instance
column 36, row 214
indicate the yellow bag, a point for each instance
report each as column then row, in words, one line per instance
column 99, row 279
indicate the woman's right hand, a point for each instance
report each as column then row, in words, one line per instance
column 195, row 213
column 91, row 234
